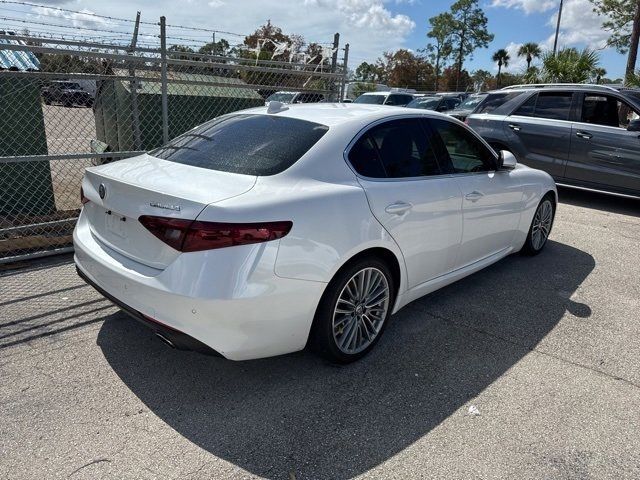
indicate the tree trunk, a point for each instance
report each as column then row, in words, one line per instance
column 633, row 47
column 499, row 75
column 437, row 72
column 529, row 58
column 460, row 55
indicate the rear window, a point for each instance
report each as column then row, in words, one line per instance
column 247, row 144
column 371, row 99
column 495, row 100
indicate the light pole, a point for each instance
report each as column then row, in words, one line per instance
column 555, row 43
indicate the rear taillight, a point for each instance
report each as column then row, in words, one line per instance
column 195, row 236
column 83, row 199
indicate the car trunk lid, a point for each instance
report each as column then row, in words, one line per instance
column 121, row 192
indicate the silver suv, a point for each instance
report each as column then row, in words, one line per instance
column 585, row 136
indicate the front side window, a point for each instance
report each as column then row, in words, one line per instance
column 245, row 144
column 607, row 110
column 495, row 100
column 467, row 153
column 550, row 105
column 395, row 149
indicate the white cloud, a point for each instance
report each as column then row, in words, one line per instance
column 579, row 26
column 371, row 14
column 528, row 6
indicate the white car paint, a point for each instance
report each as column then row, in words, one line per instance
column 259, row 300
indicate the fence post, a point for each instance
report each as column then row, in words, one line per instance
column 163, row 79
column 345, row 73
column 334, row 56
column 133, row 85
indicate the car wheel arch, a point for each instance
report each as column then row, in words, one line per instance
column 382, row 253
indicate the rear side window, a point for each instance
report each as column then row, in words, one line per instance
column 395, row 149
column 247, row 144
column 495, row 100
column 551, row 105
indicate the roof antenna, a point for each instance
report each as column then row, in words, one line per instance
column 276, row 107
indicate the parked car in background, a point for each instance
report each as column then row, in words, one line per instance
column 295, row 97
column 302, row 224
column 66, row 93
column 437, row 103
column 465, row 108
column 394, row 98
column 585, row 136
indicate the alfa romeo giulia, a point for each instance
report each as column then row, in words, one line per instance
column 268, row 229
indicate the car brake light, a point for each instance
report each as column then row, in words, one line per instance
column 195, row 236
column 83, row 199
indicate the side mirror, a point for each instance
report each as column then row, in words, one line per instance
column 634, row 126
column 507, row 160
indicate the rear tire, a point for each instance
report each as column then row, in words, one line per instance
column 540, row 228
column 354, row 311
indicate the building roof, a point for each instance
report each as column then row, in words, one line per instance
column 15, row 60
column 191, row 90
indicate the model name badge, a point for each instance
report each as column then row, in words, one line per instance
column 165, row 206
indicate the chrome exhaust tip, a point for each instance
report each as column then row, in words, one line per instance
column 165, row 340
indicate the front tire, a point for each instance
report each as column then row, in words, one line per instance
column 540, row 227
column 353, row 311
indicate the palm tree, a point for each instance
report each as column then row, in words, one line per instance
column 599, row 73
column 502, row 57
column 569, row 65
column 531, row 51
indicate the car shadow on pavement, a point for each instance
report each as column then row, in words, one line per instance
column 299, row 414
column 600, row 201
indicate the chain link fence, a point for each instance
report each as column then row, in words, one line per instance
column 68, row 105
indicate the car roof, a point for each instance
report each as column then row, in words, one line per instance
column 335, row 114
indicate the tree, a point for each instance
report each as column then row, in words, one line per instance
column 367, row 72
column 569, row 65
column 501, row 57
column 221, row 47
column 405, row 69
column 482, row 80
column 468, row 27
column 599, row 74
column 440, row 50
column 622, row 19
column 530, row 51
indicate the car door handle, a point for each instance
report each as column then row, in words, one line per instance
column 585, row 135
column 514, row 127
column 398, row 208
column 474, row 196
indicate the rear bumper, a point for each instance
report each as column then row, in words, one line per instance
column 229, row 300
column 173, row 337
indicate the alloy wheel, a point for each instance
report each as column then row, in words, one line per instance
column 360, row 311
column 541, row 225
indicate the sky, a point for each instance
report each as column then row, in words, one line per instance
column 369, row 26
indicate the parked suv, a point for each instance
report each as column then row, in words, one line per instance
column 585, row 136
column 66, row 93
column 399, row 99
column 438, row 103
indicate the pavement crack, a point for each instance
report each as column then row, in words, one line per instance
column 92, row 462
column 533, row 348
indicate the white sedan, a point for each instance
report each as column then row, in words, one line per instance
column 268, row 229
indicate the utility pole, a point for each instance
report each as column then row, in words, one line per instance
column 133, row 85
column 633, row 44
column 213, row 50
column 555, row 42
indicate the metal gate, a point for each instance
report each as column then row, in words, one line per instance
column 69, row 104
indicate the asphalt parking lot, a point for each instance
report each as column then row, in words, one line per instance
column 528, row 369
